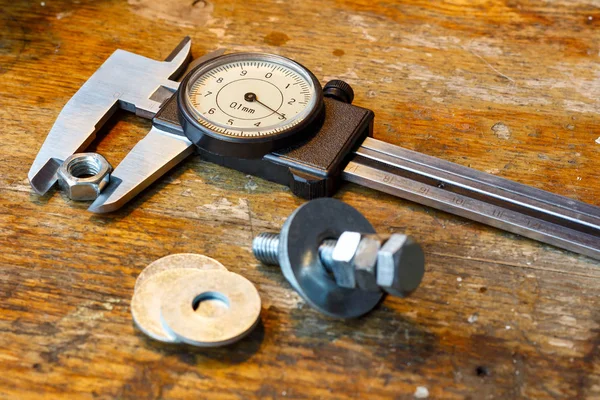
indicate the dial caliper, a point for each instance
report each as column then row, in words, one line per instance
column 268, row 116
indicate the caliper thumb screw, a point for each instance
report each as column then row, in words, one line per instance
column 339, row 90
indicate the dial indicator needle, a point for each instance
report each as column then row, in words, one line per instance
column 251, row 97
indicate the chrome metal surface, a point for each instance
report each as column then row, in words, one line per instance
column 481, row 197
column 154, row 155
column 140, row 85
column 265, row 247
column 84, row 175
column 125, row 80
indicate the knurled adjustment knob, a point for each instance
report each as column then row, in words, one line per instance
column 339, row 90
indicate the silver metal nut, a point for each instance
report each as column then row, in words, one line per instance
column 84, row 175
column 343, row 255
column 354, row 261
column 365, row 261
column 400, row 265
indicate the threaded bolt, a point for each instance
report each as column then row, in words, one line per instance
column 265, row 247
column 326, row 253
column 400, row 262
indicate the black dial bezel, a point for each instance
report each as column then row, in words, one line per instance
column 249, row 147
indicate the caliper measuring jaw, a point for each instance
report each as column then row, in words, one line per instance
column 136, row 84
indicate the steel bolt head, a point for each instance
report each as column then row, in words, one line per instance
column 400, row 265
column 84, row 175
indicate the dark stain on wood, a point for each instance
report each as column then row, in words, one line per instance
column 276, row 39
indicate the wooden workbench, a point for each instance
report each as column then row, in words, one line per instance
column 507, row 87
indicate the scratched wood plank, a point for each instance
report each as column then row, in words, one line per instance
column 507, row 87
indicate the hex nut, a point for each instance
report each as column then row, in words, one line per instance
column 400, row 265
column 354, row 261
column 342, row 256
column 84, row 175
column 365, row 262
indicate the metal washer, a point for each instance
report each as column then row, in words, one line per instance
column 147, row 300
column 299, row 240
column 155, row 281
column 241, row 316
column 174, row 261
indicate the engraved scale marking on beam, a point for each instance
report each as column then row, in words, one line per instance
column 485, row 198
column 486, row 184
column 475, row 210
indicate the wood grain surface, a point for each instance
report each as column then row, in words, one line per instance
column 508, row 87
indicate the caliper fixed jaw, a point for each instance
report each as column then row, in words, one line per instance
column 125, row 80
column 161, row 149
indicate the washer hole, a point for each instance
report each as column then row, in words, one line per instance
column 210, row 304
column 84, row 167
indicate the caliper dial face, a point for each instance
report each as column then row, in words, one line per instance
column 249, row 95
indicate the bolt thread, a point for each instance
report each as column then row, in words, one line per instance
column 326, row 253
column 265, row 247
column 84, row 166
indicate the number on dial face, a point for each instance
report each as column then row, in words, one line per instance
column 251, row 98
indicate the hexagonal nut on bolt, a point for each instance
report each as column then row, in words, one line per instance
column 400, row 265
column 354, row 261
column 84, row 175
